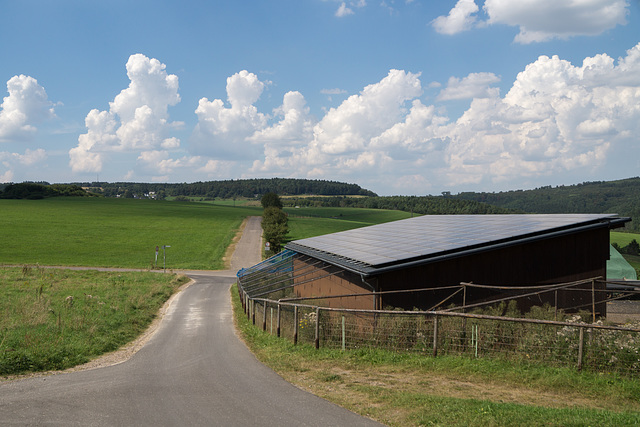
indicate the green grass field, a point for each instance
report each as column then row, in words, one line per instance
column 117, row 232
column 310, row 222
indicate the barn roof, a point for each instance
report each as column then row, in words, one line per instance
column 429, row 238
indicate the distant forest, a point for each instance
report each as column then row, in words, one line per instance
column 246, row 188
column 426, row 205
column 621, row 197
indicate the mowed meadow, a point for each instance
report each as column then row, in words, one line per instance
column 108, row 232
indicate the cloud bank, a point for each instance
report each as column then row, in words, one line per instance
column 557, row 119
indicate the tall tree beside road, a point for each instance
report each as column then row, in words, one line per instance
column 271, row 199
column 275, row 227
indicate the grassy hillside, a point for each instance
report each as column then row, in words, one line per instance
column 116, row 232
column 310, row 222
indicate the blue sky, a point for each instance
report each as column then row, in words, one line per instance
column 398, row 96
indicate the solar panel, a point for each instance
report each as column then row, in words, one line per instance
column 429, row 235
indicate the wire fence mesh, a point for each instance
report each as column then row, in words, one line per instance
column 571, row 343
column 269, row 300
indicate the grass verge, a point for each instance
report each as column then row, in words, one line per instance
column 54, row 319
column 415, row 390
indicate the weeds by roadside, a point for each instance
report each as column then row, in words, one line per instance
column 53, row 319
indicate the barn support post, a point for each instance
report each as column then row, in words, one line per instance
column 463, row 336
column 435, row 335
column 295, row 325
column 593, row 299
column 317, row 339
column 580, row 348
column 248, row 310
column 555, row 316
column 264, row 317
column 278, row 322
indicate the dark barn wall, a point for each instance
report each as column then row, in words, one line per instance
column 551, row 261
column 314, row 278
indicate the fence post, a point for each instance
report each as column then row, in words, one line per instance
column 317, row 339
column 435, row 335
column 580, row 344
column 278, row 323
column 343, row 335
column 295, row 325
column 253, row 312
column 264, row 317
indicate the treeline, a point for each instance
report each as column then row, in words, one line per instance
column 633, row 248
column 621, row 197
column 245, row 188
column 426, row 205
column 34, row 191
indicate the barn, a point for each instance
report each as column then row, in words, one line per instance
column 414, row 263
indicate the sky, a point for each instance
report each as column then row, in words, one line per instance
column 402, row 97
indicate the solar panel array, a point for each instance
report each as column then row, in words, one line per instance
column 428, row 235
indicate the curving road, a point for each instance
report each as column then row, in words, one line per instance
column 193, row 371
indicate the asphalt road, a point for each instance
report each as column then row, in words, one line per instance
column 193, row 371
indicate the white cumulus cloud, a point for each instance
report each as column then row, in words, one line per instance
column 542, row 20
column 460, row 18
column 137, row 119
column 475, row 85
column 26, row 106
column 223, row 131
column 557, row 117
column 343, row 10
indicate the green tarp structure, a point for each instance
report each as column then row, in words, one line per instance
column 618, row 268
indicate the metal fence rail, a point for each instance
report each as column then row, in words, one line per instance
column 591, row 346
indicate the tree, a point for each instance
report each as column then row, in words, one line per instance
column 633, row 248
column 271, row 199
column 275, row 227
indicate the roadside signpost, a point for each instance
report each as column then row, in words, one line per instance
column 164, row 255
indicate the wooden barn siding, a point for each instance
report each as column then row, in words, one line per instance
column 337, row 284
column 558, row 260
